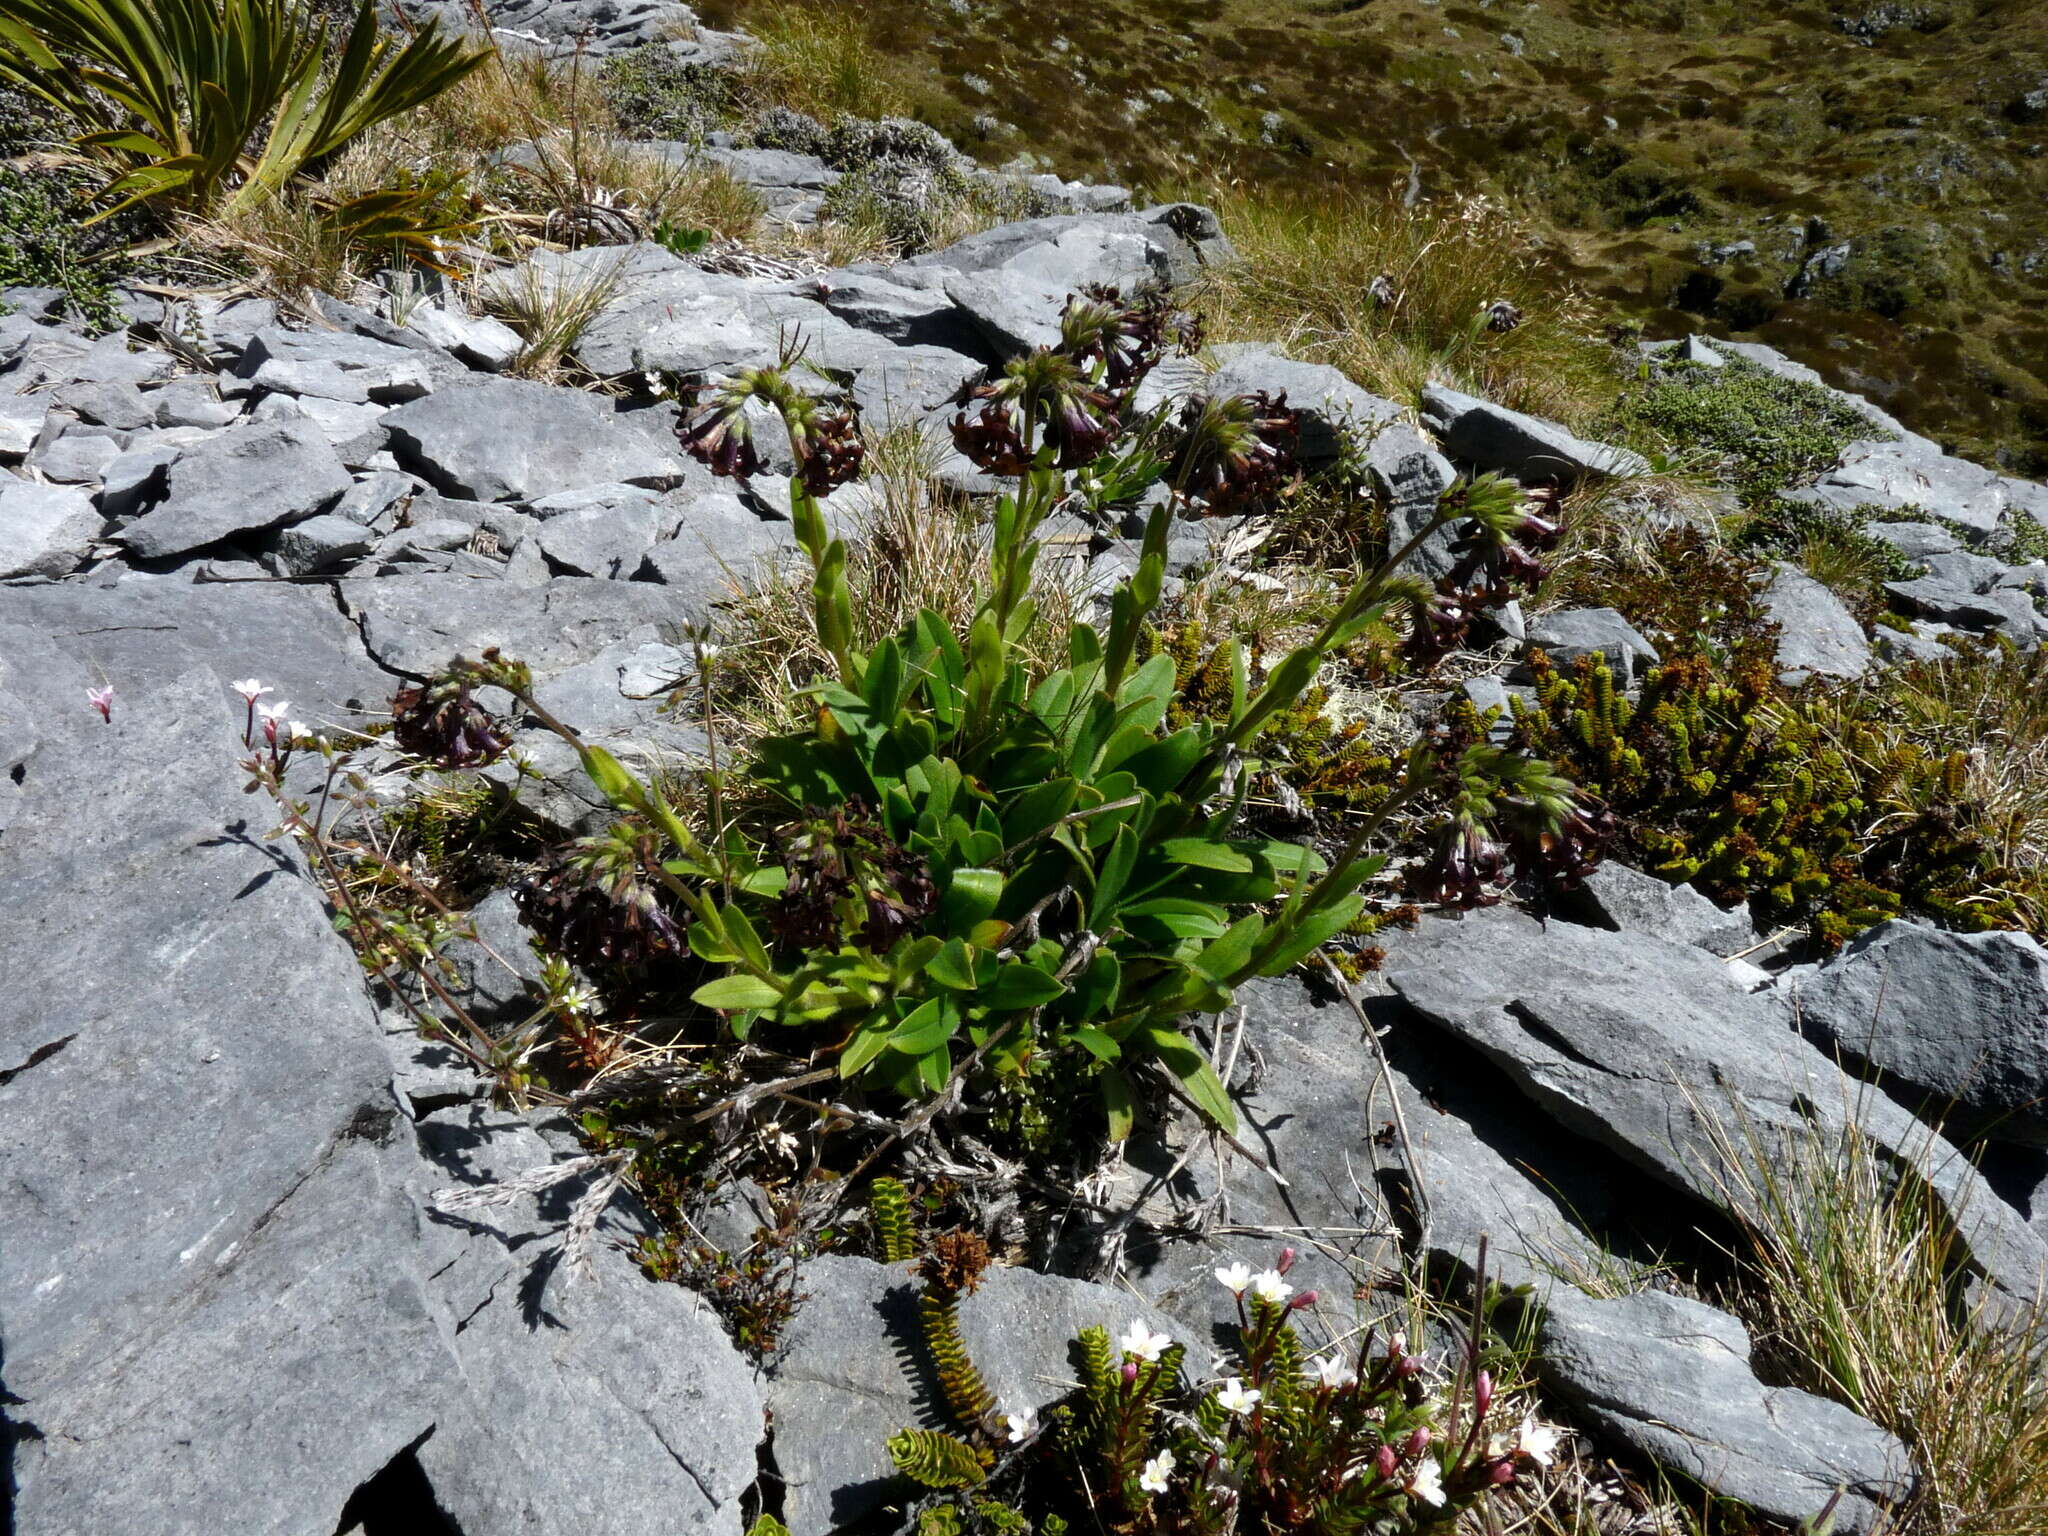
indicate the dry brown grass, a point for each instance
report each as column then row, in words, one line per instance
column 909, row 550
column 819, row 61
column 1855, row 1290
column 1309, row 263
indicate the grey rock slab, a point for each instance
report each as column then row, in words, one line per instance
column 1491, row 436
column 136, row 480
column 1650, row 1048
column 45, row 530
column 1626, row 900
column 416, row 625
column 605, row 537
column 843, row 1381
column 371, row 498
column 899, row 312
column 1916, row 541
column 194, row 1321
column 1957, row 1018
column 1951, row 603
column 479, row 340
column 192, row 401
column 771, row 169
column 112, row 360
column 21, row 422
column 142, row 633
column 580, row 1403
column 1670, row 1378
column 1912, row 475
column 1817, row 635
column 318, row 544
column 1319, row 1114
column 900, row 385
column 356, row 431
column 516, row 440
column 1013, row 281
column 331, row 365
column 245, row 480
column 719, row 543
column 74, row 458
column 121, row 406
column 1575, row 632
column 1922, row 642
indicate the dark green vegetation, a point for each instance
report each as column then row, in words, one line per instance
column 1868, row 193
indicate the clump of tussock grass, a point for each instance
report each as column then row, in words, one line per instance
column 1853, row 1284
column 909, row 548
column 1310, row 264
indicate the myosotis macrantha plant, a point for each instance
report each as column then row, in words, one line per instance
column 985, row 870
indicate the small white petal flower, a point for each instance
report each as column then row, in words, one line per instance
column 580, row 999
column 1156, row 1471
column 275, row 711
column 1427, row 1483
column 250, row 688
column 1331, row 1371
column 1536, row 1441
column 1020, row 1424
column 1141, row 1343
column 1237, row 1398
column 1270, row 1287
column 1235, row 1278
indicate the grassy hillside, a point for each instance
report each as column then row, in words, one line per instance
column 1864, row 184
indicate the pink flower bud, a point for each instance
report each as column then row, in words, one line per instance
column 1286, row 1260
column 1305, row 1299
column 1418, row 1442
column 1130, row 1371
column 1411, row 1365
column 1386, row 1464
column 102, row 699
column 1501, row 1473
column 1482, row 1393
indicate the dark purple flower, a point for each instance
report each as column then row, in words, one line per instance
column 716, row 433
column 1464, row 869
column 589, row 904
column 443, row 723
column 1235, row 451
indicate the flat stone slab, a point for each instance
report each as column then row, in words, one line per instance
column 248, row 479
column 516, row 440
column 1670, row 1378
column 1493, row 437
column 1651, row 1048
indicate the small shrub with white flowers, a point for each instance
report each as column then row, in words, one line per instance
column 1368, row 1437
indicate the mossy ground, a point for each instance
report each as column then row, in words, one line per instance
column 1643, row 138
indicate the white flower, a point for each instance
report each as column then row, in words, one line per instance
column 580, row 999
column 1237, row 1398
column 1536, row 1441
column 1235, row 1278
column 1270, row 1287
column 1141, row 1343
column 1153, row 1478
column 1020, row 1424
column 275, row 711
column 1332, row 1372
column 250, row 688
column 1427, row 1483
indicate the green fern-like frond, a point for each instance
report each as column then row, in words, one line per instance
column 1098, row 1366
column 936, row 1459
column 966, row 1393
column 889, row 1203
